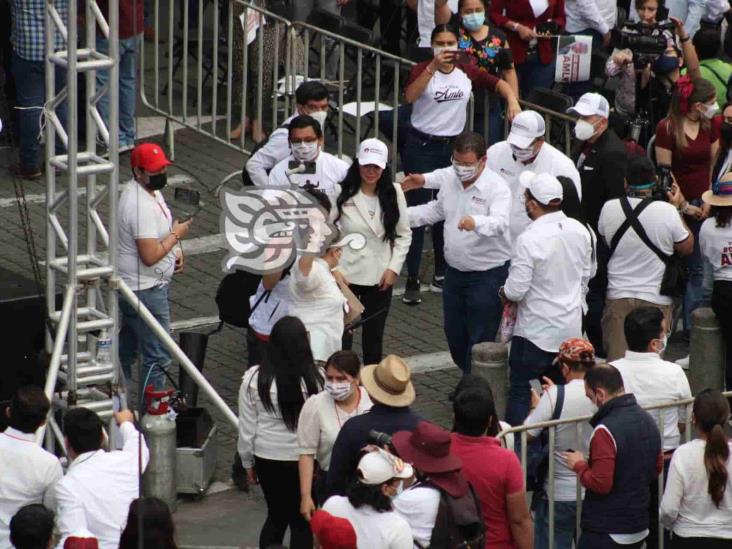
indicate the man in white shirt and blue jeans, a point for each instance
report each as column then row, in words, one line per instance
column 474, row 203
column 550, row 270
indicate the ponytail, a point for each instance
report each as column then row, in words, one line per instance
column 716, row 455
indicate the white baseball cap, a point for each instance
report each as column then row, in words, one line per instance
column 526, row 126
column 373, row 151
column 379, row 466
column 589, row 104
column 543, row 187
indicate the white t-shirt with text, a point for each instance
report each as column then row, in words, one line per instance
column 441, row 109
column 716, row 247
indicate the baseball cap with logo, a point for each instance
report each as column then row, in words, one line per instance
column 589, row 104
column 543, row 187
column 373, row 151
column 527, row 126
column 150, row 157
column 380, row 466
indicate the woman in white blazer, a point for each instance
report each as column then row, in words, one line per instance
column 372, row 205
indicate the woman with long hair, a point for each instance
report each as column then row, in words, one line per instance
column 321, row 420
column 158, row 527
column 697, row 502
column 270, row 400
column 372, row 205
column 688, row 141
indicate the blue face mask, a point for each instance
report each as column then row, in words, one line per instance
column 473, row 21
column 665, row 64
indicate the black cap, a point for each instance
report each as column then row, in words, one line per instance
column 640, row 174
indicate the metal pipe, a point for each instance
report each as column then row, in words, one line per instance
column 199, row 82
column 550, row 479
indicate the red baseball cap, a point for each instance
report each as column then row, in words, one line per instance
column 332, row 532
column 76, row 542
column 150, row 157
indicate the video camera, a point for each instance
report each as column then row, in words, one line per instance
column 377, row 438
column 647, row 42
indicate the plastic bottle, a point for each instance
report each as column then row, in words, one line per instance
column 104, row 349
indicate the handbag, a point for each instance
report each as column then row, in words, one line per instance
column 676, row 274
column 354, row 307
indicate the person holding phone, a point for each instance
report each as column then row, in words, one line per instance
column 439, row 91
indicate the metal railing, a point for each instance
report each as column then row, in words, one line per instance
column 579, row 424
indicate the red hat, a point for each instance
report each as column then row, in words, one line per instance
column 75, row 542
column 332, row 532
column 427, row 448
column 576, row 349
column 150, row 157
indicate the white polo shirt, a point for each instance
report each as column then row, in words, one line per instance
column 634, row 271
column 441, row 109
column 550, row 270
column 487, row 201
column 549, row 160
column 329, row 172
column 275, row 150
column 716, row 247
column 655, row 381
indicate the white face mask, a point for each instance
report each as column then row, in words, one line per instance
column 399, row 489
column 583, row 130
column 465, row 173
column 339, row 390
column 320, row 116
column 305, row 152
column 437, row 50
column 665, row 344
column 523, row 155
column 708, row 111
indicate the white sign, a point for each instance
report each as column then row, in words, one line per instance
column 251, row 25
column 574, row 57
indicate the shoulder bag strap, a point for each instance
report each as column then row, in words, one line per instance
column 632, row 216
column 560, row 403
column 625, row 204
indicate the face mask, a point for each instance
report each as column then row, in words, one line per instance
column 664, row 64
column 665, row 344
column 473, row 21
column 523, row 155
column 465, row 173
column 305, row 152
column 340, row 391
column 399, row 489
column 437, row 50
column 583, row 130
column 708, row 111
column 726, row 131
column 157, row 181
column 320, row 116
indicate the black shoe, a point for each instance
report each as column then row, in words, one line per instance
column 436, row 284
column 412, row 294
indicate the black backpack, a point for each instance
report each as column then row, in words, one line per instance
column 459, row 523
column 232, row 297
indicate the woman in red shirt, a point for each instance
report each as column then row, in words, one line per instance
column 525, row 21
column 688, row 141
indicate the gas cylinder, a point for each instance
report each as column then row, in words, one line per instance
column 158, row 425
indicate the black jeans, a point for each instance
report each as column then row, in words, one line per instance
column 700, row 543
column 652, row 539
column 722, row 307
column 280, row 484
column 372, row 339
column 595, row 540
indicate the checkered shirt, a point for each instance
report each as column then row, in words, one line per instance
column 28, row 34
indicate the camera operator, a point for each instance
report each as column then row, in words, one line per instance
column 634, row 270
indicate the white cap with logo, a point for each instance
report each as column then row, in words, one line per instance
column 373, row 151
column 379, row 466
column 589, row 104
column 527, row 126
column 543, row 186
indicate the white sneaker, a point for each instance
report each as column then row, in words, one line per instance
column 124, row 148
column 683, row 362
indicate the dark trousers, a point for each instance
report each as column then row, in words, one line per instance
column 722, row 307
column 700, row 543
column 281, row 487
column 532, row 73
column 594, row 540
column 471, row 309
column 423, row 156
column 527, row 362
column 652, row 539
column 372, row 339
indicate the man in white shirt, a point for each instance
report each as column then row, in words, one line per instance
column 474, row 203
column 308, row 164
column 634, row 270
column 311, row 98
column 99, row 486
column 575, row 357
column 654, row 381
column 595, row 17
column 550, row 269
column 149, row 256
column 29, row 473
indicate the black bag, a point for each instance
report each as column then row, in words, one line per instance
column 537, row 465
column 232, row 297
column 676, row 274
column 459, row 522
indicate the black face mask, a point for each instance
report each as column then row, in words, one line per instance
column 726, row 131
column 157, row 181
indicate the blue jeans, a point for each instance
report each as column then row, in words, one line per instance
column 526, row 362
column 136, row 337
column 30, row 84
column 496, row 124
column 565, row 513
column 127, row 87
column 532, row 73
column 694, row 294
column 471, row 309
column 422, row 156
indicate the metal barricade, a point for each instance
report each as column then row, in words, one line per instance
column 551, row 427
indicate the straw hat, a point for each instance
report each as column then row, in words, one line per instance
column 389, row 381
column 721, row 193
